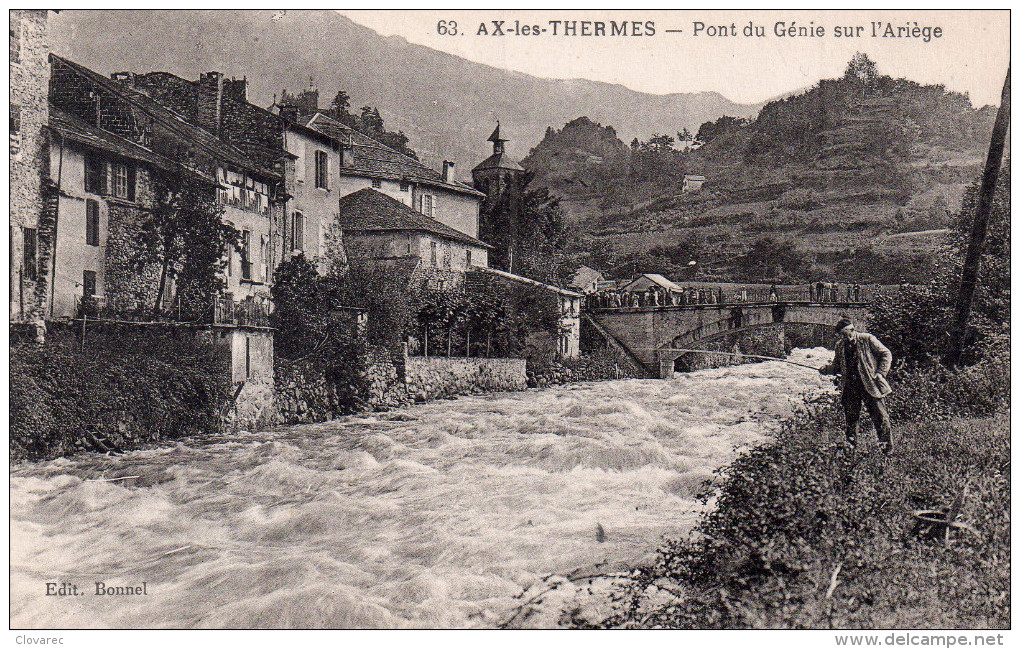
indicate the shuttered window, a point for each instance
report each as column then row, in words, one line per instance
column 15, row 129
column 95, row 175
column 246, row 255
column 92, row 222
column 321, row 169
column 298, row 234
column 31, row 254
column 88, row 282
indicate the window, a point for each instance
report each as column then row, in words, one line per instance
column 434, row 253
column 426, row 204
column 376, row 183
column 298, row 234
column 95, row 175
column 16, row 43
column 468, row 257
column 15, row 129
column 246, row 255
column 263, row 259
column 31, row 253
column 91, row 222
column 88, row 283
column 321, row 169
column 404, row 186
column 247, row 357
column 123, row 180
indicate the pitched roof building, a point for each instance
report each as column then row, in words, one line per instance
column 378, row 227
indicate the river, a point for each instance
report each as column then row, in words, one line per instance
column 435, row 515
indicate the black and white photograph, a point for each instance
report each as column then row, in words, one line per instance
column 510, row 319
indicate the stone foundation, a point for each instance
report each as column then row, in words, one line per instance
column 437, row 377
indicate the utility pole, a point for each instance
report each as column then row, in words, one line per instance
column 972, row 262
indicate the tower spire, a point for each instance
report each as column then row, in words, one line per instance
column 497, row 141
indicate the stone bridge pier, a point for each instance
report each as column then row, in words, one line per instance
column 655, row 336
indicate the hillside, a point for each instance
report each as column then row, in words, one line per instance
column 852, row 179
column 445, row 104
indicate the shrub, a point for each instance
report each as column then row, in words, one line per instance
column 127, row 386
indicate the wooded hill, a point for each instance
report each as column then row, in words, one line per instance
column 851, row 180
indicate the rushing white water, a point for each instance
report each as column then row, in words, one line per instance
column 435, row 515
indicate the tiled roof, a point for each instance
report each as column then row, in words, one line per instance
column 526, row 280
column 368, row 210
column 498, row 161
column 377, row 160
column 188, row 131
column 655, row 279
column 73, row 128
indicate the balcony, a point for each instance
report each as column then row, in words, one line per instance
column 250, row 312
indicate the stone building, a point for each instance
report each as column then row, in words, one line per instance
column 364, row 163
column 692, row 183
column 380, row 228
column 113, row 150
column 116, row 110
column 29, row 82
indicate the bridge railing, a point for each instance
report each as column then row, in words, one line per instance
column 735, row 294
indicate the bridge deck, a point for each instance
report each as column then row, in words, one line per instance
column 726, row 305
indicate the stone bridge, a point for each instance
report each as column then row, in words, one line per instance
column 654, row 336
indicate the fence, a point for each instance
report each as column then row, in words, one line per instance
column 250, row 312
column 729, row 294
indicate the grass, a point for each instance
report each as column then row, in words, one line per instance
column 807, row 533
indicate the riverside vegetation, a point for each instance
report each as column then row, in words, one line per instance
column 807, row 533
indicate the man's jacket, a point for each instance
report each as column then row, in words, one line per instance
column 873, row 359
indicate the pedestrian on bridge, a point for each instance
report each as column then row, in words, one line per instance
column 862, row 364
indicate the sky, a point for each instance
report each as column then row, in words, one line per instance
column 971, row 54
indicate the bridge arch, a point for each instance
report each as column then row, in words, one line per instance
column 652, row 334
column 739, row 321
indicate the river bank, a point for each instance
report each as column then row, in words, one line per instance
column 436, row 515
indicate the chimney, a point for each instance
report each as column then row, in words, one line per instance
column 210, row 101
column 449, row 172
column 124, row 77
column 347, row 152
column 236, row 89
column 289, row 113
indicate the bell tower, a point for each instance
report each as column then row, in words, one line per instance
column 498, row 171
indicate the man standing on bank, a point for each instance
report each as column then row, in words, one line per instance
column 863, row 363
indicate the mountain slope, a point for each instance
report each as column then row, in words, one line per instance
column 446, row 104
column 851, row 179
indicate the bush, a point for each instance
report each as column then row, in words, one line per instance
column 316, row 333
column 126, row 386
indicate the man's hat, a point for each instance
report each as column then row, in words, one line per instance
column 843, row 324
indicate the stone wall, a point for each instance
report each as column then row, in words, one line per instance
column 304, row 395
column 29, row 156
column 437, row 377
column 597, row 365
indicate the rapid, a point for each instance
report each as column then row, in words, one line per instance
column 435, row 515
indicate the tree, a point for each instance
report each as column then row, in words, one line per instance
column 862, row 69
column 341, row 102
column 725, row 124
column 526, row 228
column 185, row 235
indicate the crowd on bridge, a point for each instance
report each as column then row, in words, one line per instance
column 831, row 292
column 657, row 296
